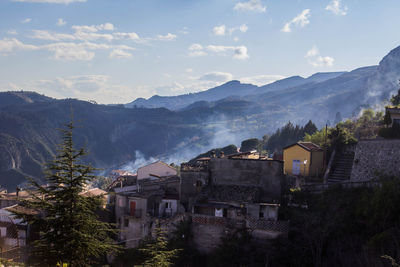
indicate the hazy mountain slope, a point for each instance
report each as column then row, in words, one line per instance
column 232, row 88
column 28, row 135
column 21, row 97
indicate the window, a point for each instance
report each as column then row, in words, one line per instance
column 168, row 205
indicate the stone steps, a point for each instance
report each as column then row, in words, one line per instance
column 341, row 171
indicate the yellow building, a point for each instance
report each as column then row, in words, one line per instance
column 303, row 158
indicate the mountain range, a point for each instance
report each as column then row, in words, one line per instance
column 176, row 128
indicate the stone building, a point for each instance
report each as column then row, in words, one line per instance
column 141, row 204
column 230, row 193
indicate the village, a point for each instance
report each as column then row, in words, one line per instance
column 219, row 194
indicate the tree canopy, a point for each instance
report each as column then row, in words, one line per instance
column 70, row 231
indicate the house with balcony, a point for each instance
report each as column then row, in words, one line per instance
column 139, row 205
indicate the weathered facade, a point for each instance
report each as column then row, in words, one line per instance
column 142, row 205
column 227, row 194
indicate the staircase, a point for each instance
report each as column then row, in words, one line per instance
column 341, row 170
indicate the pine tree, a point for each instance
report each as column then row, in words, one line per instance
column 159, row 253
column 69, row 229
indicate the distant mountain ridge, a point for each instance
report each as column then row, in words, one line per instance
column 231, row 88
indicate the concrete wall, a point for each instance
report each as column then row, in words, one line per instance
column 267, row 174
column 373, row 156
column 157, row 168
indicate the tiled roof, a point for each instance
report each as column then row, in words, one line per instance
column 307, row 146
column 18, row 209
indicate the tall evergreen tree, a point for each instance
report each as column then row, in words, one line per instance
column 159, row 253
column 70, row 231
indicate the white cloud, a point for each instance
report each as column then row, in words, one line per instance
column 219, row 30
column 196, row 50
column 61, row 22
column 336, row 7
column 300, row 20
column 89, row 32
column 27, row 20
column 184, row 30
column 9, row 45
column 243, row 28
column 70, row 52
column 168, row 37
column 251, row 5
column 119, row 53
column 106, row 26
column 316, row 60
column 189, row 70
column 50, row 1
column 261, row 79
column 91, row 36
column 46, row 35
column 216, row 76
column 12, row 32
column 240, row 53
column 127, row 35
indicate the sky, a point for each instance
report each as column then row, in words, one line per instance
column 114, row 51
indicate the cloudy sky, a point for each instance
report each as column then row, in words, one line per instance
column 114, row 51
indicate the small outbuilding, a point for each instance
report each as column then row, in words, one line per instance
column 303, row 158
column 394, row 114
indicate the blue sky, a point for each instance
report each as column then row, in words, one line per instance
column 114, row 51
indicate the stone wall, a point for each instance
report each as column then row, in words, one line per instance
column 372, row 156
column 189, row 185
column 208, row 230
column 267, row 174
